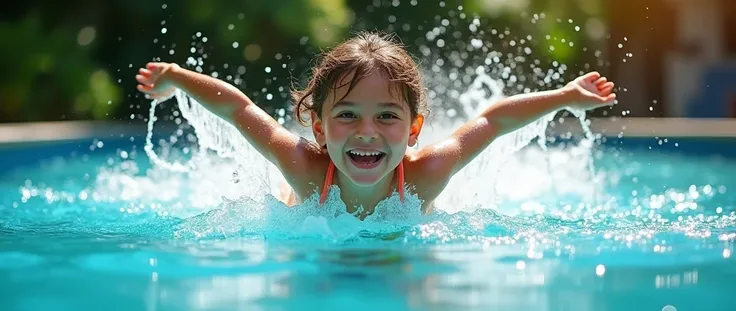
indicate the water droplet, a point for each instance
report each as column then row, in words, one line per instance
column 600, row 270
column 520, row 265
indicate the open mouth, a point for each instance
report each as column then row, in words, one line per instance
column 365, row 159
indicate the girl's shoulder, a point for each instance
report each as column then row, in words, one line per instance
column 308, row 172
column 424, row 175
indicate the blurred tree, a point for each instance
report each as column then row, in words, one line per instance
column 48, row 66
column 77, row 60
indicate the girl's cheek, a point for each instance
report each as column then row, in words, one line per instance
column 337, row 130
column 400, row 131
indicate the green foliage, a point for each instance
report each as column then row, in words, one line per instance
column 77, row 60
column 47, row 68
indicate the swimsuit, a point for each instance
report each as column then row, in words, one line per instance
column 331, row 175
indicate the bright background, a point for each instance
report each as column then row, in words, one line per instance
column 76, row 60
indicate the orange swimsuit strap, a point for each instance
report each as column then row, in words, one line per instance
column 330, row 176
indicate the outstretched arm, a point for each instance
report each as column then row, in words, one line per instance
column 273, row 141
column 451, row 155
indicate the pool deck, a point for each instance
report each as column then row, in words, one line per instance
column 652, row 127
column 611, row 127
column 69, row 130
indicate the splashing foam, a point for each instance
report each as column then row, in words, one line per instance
column 509, row 195
column 256, row 210
column 481, row 182
column 472, row 188
column 480, row 185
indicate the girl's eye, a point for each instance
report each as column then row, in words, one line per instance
column 388, row 116
column 346, row 115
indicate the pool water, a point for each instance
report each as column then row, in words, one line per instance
column 100, row 227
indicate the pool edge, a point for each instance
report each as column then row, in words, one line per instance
column 17, row 133
column 650, row 127
column 56, row 131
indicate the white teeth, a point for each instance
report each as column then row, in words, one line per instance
column 365, row 153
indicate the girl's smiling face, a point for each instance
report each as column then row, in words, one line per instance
column 366, row 129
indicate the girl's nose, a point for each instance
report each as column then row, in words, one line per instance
column 366, row 131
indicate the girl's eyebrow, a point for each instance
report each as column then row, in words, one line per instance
column 344, row 103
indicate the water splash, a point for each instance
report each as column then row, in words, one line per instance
column 479, row 179
column 476, row 186
column 216, row 135
column 515, row 192
column 274, row 220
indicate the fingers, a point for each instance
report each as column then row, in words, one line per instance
column 606, row 99
column 147, row 78
column 145, row 72
column 143, row 80
column 156, row 68
column 152, row 66
column 145, row 88
column 610, row 98
column 600, row 81
column 591, row 76
column 150, row 94
column 606, row 88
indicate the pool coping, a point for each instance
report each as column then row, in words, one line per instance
column 13, row 133
column 652, row 127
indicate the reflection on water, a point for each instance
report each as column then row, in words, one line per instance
column 654, row 242
column 250, row 274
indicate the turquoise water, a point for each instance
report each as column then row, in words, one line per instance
column 647, row 229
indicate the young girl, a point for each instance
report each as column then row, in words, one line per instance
column 366, row 104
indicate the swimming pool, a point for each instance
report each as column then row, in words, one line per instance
column 85, row 226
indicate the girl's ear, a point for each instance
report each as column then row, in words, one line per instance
column 317, row 130
column 416, row 128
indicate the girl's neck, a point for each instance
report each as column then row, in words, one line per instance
column 356, row 196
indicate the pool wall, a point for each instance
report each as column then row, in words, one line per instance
column 28, row 143
column 702, row 137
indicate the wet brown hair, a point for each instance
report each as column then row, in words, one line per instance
column 363, row 54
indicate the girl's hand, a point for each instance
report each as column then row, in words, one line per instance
column 153, row 80
column 591, row 91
